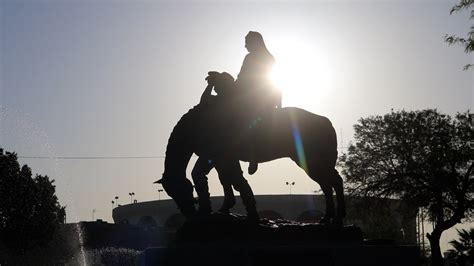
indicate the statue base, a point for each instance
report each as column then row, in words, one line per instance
column 221, row 239
column 233, row 228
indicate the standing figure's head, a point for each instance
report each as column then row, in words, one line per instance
column 224, row 83
column 254, row 42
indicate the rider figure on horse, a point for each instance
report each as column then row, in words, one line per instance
column 254, row 86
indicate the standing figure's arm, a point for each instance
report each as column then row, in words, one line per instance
column 211, row 78
column 206, row 95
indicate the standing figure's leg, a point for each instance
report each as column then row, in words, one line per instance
column 230, row 170
column 229, row 198
column 199, row 174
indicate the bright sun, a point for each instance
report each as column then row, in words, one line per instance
column 302, row 73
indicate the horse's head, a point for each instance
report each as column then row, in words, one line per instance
column 180, row 189
column 178, row 152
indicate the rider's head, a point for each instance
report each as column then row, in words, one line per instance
column 223, row 83
column 254, row 42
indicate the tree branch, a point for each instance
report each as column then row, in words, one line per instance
column 465, row 182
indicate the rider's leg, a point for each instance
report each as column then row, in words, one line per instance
column 253, row 163
column 199, row 174
column 253, row 166
column 264, row 112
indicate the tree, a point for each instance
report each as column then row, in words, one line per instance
column 468, row 42
column 463, row 250
column 29, row 209
column 423, row 157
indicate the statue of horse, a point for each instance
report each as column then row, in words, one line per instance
column 308, row 139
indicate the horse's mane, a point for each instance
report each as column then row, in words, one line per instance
column 187, row 123
column 181, row 128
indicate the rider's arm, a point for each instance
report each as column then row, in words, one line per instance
column 206, row 95
column 244, row 70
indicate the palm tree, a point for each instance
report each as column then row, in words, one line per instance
column 463, row 250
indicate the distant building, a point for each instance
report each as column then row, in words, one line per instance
column 389, row 219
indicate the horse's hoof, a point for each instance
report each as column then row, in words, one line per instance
column 252, row 218
column 227, row 205
column 325, row 221
column 204, row 212
column 224, row 211
column 337, row 222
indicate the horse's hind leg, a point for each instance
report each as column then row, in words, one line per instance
column 336, row 181
column 328, row 178
column 330, row 210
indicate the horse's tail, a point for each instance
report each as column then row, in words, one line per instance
column 330, row 138
column 333, row 143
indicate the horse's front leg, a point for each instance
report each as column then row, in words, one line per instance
column 180, row 189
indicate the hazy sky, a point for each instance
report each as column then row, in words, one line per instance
column 111, row 78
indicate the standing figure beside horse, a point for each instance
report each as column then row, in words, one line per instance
column 223, row 85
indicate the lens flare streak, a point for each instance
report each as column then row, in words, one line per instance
column 299, row 147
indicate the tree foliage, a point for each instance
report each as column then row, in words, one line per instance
column 424, row 157
column 29, row 209
column 463, row 249
column 468, row 41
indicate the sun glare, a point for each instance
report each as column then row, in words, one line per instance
column 302, row 73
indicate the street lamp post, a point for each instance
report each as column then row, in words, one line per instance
column 116, row 200
column 131, row 196
column 159, row 193
column 291, row 185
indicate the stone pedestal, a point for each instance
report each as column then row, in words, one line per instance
column 327, row 255
column 230, row 240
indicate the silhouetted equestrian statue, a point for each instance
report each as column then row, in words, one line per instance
column 245, row 121
column 306, row 138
